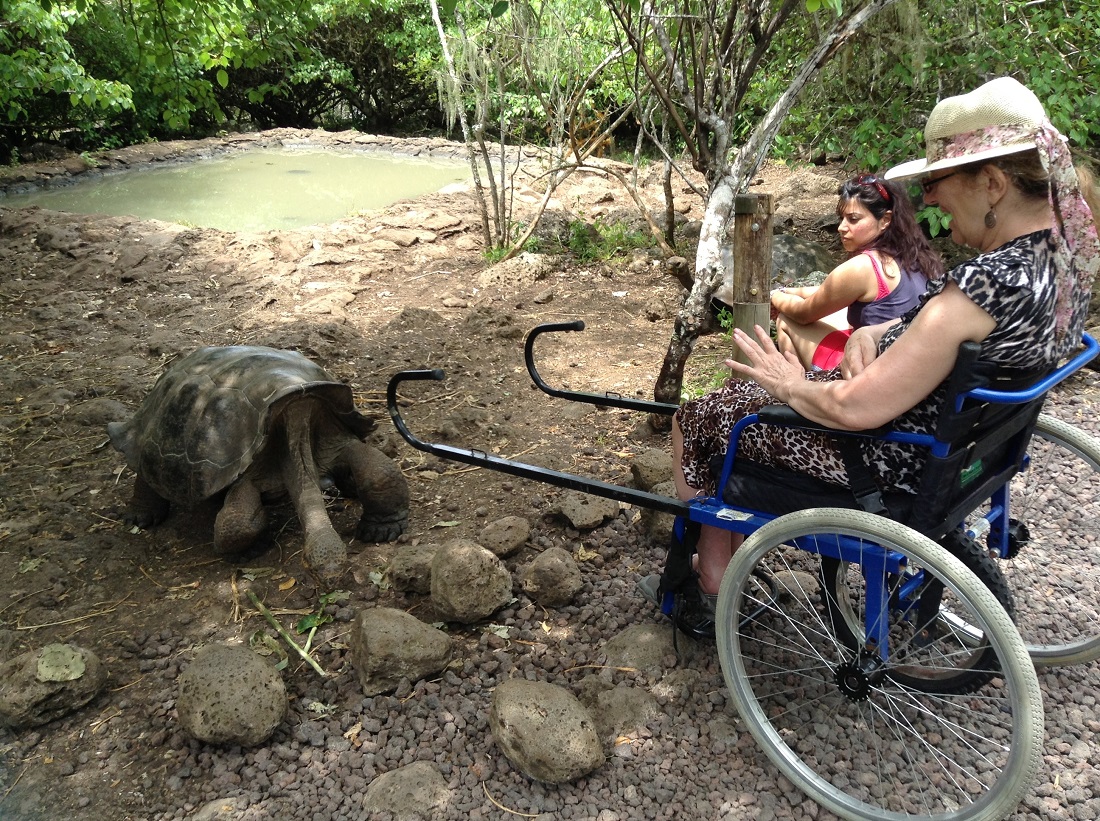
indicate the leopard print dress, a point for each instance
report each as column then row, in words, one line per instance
column 1015, row 284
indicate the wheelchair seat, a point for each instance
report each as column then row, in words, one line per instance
column 976, row 447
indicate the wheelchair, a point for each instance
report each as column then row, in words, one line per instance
column 867, row 639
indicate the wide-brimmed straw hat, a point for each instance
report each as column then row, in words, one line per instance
column 991, row 121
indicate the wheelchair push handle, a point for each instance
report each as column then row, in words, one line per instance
column 608, row 400
column 479, row 458
column 435, row 374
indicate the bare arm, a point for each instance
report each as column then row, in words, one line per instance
column 845, row 284
column 891, row 384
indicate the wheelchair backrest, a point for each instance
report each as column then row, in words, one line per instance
column 980, row 443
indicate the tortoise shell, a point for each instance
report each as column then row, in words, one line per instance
column 208, row 416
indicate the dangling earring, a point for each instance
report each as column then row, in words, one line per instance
column 991, row 218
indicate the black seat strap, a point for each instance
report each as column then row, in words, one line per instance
column 866, row 492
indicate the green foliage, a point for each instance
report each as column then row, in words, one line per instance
column 118, row 71
column 604, row 241
column 130, row 70
column 869, row 105
column 497, row 253
column 310, row 622
column 44, row 88
column 937, row 221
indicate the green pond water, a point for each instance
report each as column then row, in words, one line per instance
column 254, row 190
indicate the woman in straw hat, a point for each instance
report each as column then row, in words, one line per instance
column 996, row 164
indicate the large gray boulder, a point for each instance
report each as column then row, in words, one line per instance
column 793, row 260
column 623, row 710
column 42, row 685
column 544, row 731
column 585, row 511
column 410, row 570
column 651, row 467
column 794, row 257
column 229, row 695
column 388, row 645
column 505, row 536
column 648, row 647
column 469, row 583
column 657, row 524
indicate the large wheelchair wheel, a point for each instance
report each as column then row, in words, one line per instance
column 1057, row 500
column 858, row 729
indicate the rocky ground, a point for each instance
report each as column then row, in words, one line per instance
column 94, row 308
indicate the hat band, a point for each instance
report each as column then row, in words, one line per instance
column 976, row 142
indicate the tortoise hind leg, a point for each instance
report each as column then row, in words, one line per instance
column 241, row 520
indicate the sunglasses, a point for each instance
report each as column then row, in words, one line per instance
column 927, row 186
column 872, row 180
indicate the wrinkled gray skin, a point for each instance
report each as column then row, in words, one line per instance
column 259, row 423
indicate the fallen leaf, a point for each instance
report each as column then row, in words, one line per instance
column 29, row 565
column 352, row 733
column 59, row 662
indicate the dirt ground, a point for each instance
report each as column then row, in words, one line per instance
column 94, row 308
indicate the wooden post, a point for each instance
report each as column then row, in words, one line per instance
column 752, row 263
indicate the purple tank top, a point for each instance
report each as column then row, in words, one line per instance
column 893, row 304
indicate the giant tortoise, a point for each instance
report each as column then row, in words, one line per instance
column 258, row 423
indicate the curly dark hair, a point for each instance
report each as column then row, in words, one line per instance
column 903, row 239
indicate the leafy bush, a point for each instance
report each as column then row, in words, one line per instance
column 868, row 106
column 604, row 241
column 45, row 90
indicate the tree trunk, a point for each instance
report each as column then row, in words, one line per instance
column 709, row 269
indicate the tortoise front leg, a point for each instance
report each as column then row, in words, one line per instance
column 147, row 507
column 324, row 550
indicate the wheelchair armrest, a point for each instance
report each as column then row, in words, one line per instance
column 786, row 417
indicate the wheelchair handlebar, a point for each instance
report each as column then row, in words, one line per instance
column 652, row 501
column 609, row 400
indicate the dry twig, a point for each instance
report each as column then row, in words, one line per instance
column 506, row 809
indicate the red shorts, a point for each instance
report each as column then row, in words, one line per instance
column 830, row 350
